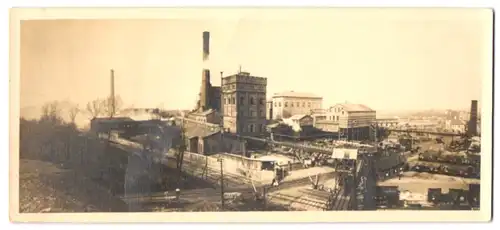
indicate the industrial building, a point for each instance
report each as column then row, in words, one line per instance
column 354, row 120
column 287, row 104
column 244, row 104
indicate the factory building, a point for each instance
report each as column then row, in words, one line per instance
column 287, row 104
column 353, row 120
column 244, row 104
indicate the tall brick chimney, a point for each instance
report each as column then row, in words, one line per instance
column 206, row 45
column 205, row 89
column 472, row 125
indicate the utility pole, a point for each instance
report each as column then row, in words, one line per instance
column 354, row 187
column 220, row 160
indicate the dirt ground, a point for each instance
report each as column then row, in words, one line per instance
column 46, row 187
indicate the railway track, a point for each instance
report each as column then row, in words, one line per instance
column 304, row 203
column 246, row 190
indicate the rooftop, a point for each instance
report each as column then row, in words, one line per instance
column 296, row 94
column 298, row 116
column 197, row 131
column 202, row 113
column 355, row 107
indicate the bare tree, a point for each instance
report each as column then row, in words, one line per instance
column 73, row 112
column 95, row 108
column 51, row 112
column 179, row 152
column 112, row 106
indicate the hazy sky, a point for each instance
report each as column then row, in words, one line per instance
column 386, row 59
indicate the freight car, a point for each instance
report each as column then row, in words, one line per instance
column 448, row 157
column 466, row 171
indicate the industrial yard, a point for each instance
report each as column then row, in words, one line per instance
column 239, row 147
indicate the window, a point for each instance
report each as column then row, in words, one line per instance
column 303, row 104
column 279, row 104
column 261, row 101
column 252, row 101
column 251, row 128
column 286, row 104
column 275, row 104
column 337, row 118
column 291, row 104
column 233, row 101
column 242, row 99
column 342, row 112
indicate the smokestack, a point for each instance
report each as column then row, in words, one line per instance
column 472, row 126
column 112, row 96
column 206, row 45
column 205, row 88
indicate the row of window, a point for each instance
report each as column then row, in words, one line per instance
column 253, row 128
column 292, row 104
column 233, row 86
column 251, row 101
column 333, row 118
column 253, row 113
column 243, row 112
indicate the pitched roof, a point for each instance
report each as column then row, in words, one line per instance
column 298, row 116
column 202, row 113
column 295, row 94
column 197, row 131
column 355, row 107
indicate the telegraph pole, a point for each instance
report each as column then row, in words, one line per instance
column 220, row 160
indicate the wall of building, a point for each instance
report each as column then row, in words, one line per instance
column 289, row 106
column 327, row 126
column 215, row 98
column 269, row 110
column 244, row 103
column 354, row 118
column 232, row 164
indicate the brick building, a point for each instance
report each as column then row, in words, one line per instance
column 244, row 104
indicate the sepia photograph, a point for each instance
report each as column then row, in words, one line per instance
column 304, row 113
